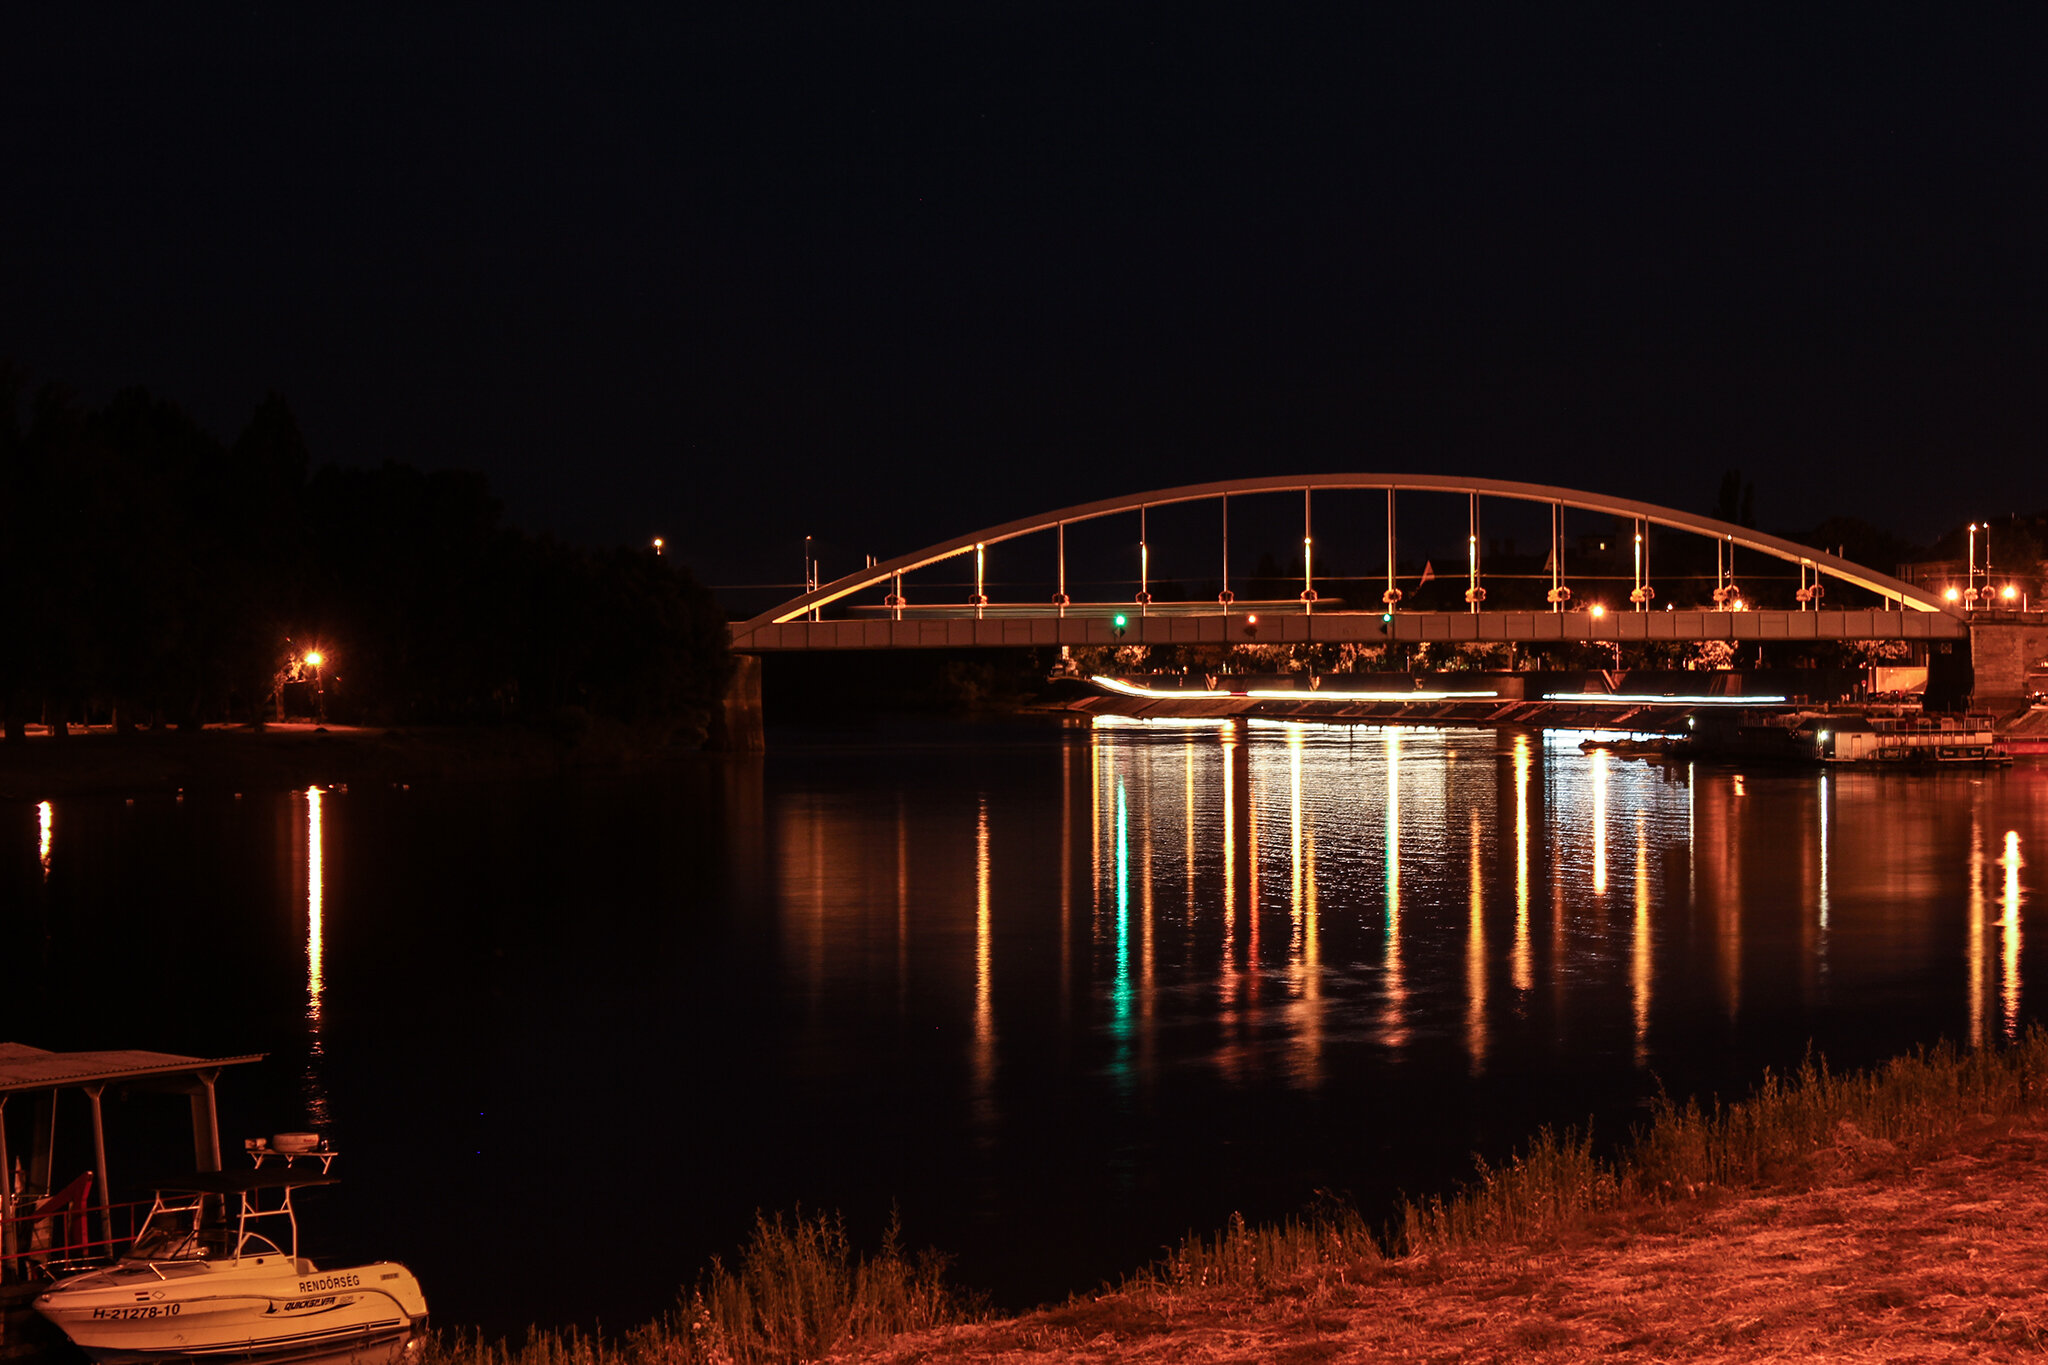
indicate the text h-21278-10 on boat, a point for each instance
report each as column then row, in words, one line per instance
column 200, row 1282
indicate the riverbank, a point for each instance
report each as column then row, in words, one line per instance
column 1865, row 1250
column 1891, row 1214
column 294, row 754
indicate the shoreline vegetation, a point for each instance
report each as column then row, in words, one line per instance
column 165, row 578
column 1853, row 1215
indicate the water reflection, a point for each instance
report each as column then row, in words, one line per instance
column 2009, row 919
column 1475, row 953
column 1639, row 958
column 1343, row 894
column 1394, row 1022
column 1600, row 762
column 984, row 974
column 316, row 956
column 1525, row 971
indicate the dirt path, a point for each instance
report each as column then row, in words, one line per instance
column 1865, row 1253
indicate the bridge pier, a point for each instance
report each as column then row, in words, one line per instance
column 2004, row 647
column 736, row 727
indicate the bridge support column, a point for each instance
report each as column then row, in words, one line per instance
column 736, row 726
column 2004, row 647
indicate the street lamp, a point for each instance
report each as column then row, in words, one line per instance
column 314, row 660
column 658, row 543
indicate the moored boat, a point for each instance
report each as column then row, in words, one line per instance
column 200, row 1282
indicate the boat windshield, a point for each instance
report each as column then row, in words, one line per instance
column 174, row 1239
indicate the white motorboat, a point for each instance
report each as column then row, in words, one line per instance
column 200, row 1283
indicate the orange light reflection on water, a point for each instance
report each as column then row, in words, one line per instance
column 1376, row 949
column 2010, row 921
column 316, row 953
column 1394, row 1016
column 1525, row 969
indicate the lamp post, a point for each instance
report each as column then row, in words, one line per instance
column 1970, row 591
column 315, row 660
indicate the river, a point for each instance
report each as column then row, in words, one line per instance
column 1054, row 992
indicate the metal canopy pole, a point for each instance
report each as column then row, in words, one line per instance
column 99, row 1159
column 205, row 1123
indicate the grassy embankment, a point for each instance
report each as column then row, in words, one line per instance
column 800, row 1292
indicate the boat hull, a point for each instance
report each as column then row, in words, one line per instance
column 372, row 1315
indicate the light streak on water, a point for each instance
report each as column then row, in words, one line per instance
column 1640, row 961
column 1475, row 956
column 1525, row 970
column 45, row 822
column 2010, row 919
column 1294, row 742
column 1226, row 983
column 1600, row 761
column 1188, row 807
column 1825, row 852
column 1123, row 910
column 1979, row 986
column 1146, row 979
column 1394, row 1023
column 316, row 955
column 1310, row 1072
column 984, row 975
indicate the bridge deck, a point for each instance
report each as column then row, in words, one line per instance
column 1094, row 625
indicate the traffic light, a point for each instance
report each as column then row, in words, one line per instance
column 1118, row 625
column 1386, row 623
column 1251, row 625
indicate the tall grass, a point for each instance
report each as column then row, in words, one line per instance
column 1332, row 1241
column 1559, row 1182
column 798, row 1293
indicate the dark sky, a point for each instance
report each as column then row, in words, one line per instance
column 734, row 274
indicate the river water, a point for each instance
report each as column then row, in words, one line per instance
column 1056, row 993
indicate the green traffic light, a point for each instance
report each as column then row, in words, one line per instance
column 1119, row 620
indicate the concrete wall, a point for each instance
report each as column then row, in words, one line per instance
column 2004, row 647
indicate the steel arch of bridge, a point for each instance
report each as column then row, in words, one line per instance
column 1904, row 595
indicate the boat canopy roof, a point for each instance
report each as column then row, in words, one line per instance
column 32, row 1068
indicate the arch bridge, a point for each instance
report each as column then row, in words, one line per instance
column 1901, row 610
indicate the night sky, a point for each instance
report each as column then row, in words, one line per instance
column 735, row 273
